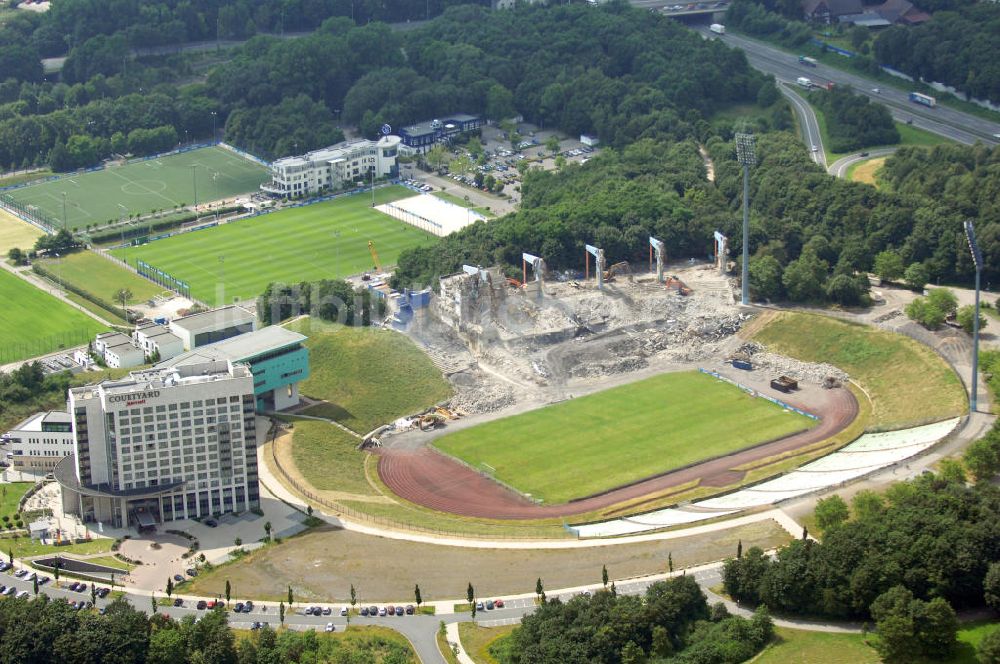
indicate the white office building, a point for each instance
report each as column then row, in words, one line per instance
column 118, row 350
column 156, row 340
column 214, row 325
column 337, row 167
column 162, row 444
column 41, row 441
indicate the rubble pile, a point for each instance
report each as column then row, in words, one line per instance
column 485, row 397
column 785, row 366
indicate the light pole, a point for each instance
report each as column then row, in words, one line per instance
column 64, row 210
column 222, row 275
column 977, row 259
column 194, row 182
column 746, row 154
column 121, row 223
column 214, row 115
column 336, row 242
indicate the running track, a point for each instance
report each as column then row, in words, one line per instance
column 429, row 478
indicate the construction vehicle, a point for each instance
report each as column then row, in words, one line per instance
column 513, row 283
column 680, row 286
column 430, row 421
column 375, row 261
column 785, row 384
column 618, row 268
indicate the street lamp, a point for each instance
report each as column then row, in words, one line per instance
column 214, row 114
column 977, row 259
column 746, row 154
column 64, row 210
column 194, row 182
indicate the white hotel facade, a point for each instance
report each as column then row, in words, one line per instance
column 162, row 444
column 339, row 166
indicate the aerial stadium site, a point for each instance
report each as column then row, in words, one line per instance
column 321, row 241
column 162, row 183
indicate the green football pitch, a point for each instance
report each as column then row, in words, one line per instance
column 583, row 446
column 35, row 323
column 142, row 186
column 322, row 241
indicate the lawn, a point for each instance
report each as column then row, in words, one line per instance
column 21, row 178
column 866, row 171
column 26, row 547
column 111, row 561
column 907, row 382
column 796, row 646
column 477, row 640
column 322, row 241
column 367, row 376
column 101, row 277
column 328, row 457
column 583, row 446
column 35, row 323
column 16, row 233
column 162, row 183
column 10, row 495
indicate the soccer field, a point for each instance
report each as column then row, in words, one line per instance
column 101, row 277
column 583, row 446
column 321, row 241
column 35, row 323
column 143, row 186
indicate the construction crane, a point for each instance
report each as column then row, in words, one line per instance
column 661, row 254
column 377, row 262
column 721, row 251
column 598, row 255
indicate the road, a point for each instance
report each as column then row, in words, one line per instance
column 839, row 167
column 808, row 123
column 943, row 121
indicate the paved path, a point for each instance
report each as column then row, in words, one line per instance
column 807, row 122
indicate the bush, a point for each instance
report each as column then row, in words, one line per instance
column 943, row 299
column 966, row 317
column 925, row 312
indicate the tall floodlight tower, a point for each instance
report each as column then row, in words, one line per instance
column 977, row 258
column 746, row 154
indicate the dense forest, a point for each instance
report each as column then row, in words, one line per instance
column 905, row 559
column 813, row 237
column 853, row 121
column 957, row 48
column 670, row 624
column 616, row 71
column 41, row 631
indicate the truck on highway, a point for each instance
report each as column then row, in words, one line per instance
column 926, row 100
column 717, row 28
column 804, row 82
column 808, row 62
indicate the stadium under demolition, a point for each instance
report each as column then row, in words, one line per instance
column 509, row 346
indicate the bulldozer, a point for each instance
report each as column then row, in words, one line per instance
column 617, row 269
column 675, row 283
column 430, row 421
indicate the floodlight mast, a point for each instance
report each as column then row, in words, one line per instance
column 661, row 250
column 977, row 259
column 746, row 154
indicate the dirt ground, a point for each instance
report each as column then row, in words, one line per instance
column 323, row 564
column 16, row 233
column 865, row 172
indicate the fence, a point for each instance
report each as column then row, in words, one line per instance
column 755, row 393
column 414, row 219
column 385, row 522
column 20, row 350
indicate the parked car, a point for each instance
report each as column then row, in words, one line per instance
column 364, row 610
column 73, row 586
column 82, row 588
column 489, row 605
column 344, row 611
column 382, row 611
column 23, row 594
column 10, row 591
column 409, row 609
column 21, row 573
column 211, row 604
column 399, row 610
column 42, row 580
column 329, row 627
column 247, row 606
column 499, row 603
column 211, row 523
column 327, row 611
column 190, row 571
column 238, row 608
column 178, row 601
column 103, row 592
column 178, row 578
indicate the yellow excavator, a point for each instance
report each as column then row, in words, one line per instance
column 616, row 269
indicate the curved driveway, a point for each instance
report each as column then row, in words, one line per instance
column 839, row 168
column 808, row 122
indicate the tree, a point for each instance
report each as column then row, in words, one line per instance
column 670, row 562
column 166, row 646
column 16, row 256
column 988, row 650
column 229, row 591
column 831, row 512
column 805, row 277
column 888, row 265
column 291, row 597
column 966, row 317
column 944, row 300
column 281, row 612
column 916, row 276
column 34, row 585
column 991, row 587
column 470, row 593
column 844, row 289
column 765, row 278
column 123, row 295
column 267, row 532
column 55, row 571
column 170, row 586
column 739, row 549
column 416, row 595
column 923, row 311
column 437, row 156
column 604, row 575
column 539, row 589
column 238, row 541
column 354, row 596
column 552, row 144
column 632, row 654
column 742, row 577
column 982, row 459
column 93, row 594
column 952, row 470
column 909, row 628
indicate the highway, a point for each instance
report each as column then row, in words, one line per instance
column 943, row 121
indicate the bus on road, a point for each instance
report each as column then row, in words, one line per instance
column 926, row 100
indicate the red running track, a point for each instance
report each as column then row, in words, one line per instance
column 427, row 477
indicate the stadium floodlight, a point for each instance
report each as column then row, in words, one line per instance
column 977, row 259
column 746, row 154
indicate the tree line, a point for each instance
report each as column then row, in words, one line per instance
column 853, row 121
column 40, row 631
column 670, row 623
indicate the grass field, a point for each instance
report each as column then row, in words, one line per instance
column 143, row 186
column 371, row 644
column 35, row 323
column 10, row 495
column 322, row 241
column 101, row 277
column 907, row 382
column 368, row 376
column 25, row 546
column 328, row 458
column 796, row 646
column 583, row 446
column 16, row 233
column 477, row 640
column 866, row 171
